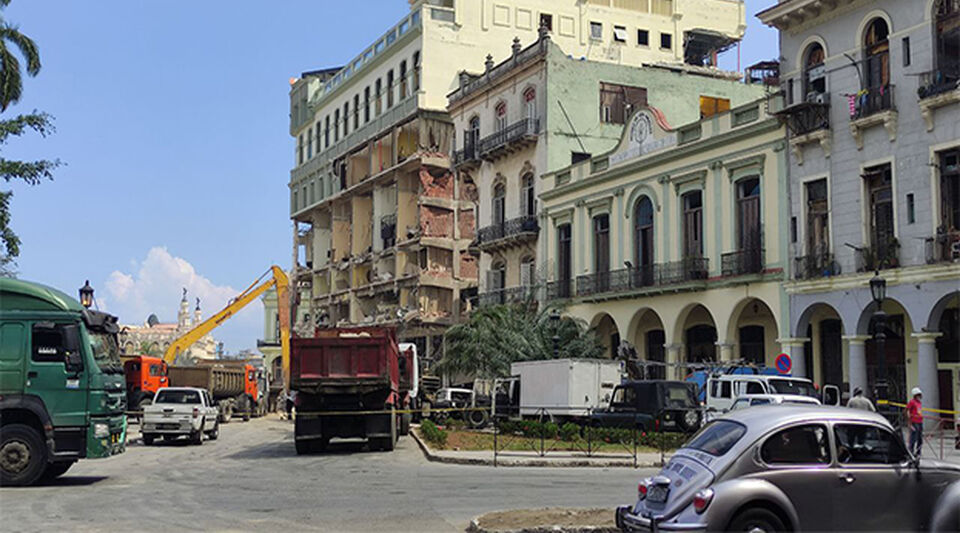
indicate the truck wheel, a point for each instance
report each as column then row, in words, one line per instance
column 55, row 470
column 245, row 406
column 148, row 439
column 303, row 447
column 214, row 433
column 23, row 455
column 477, row 418
column 226, row 412
column 405, row 419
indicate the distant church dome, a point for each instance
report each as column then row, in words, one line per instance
column 152, row 320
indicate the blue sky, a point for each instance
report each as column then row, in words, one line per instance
column 171, row 118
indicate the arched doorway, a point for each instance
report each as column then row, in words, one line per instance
column 643, row 241
column 649, row 338
column 945, row 321
column 699, row 335
column 896, row 328
column 753, row 328
column 821, row 325
column 607, row 333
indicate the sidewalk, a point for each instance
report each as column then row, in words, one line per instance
column 531, row 458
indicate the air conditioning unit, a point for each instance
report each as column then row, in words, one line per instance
column 822, row 98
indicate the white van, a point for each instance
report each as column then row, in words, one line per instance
column 723, row 390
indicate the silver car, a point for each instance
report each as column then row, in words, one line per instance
column 797, row 468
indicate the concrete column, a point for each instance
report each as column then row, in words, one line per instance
column 857, row 362
column 794, row 348
column 726, row 351
column 927, row 372
column 674, row 354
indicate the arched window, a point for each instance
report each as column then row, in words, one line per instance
column 814, row 72
column 499, row 204
column 528, row 199
column 528, row 276
column 530, row 103
column 876, row 53
column 500, row 113
column 497, row 277
column 947, row 41
column 473, row 136
column 643, row 240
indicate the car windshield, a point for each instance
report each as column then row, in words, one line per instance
column 177, row 396
column 717, row 437
column 678, row 395
column 793, row 386
column 106, row 352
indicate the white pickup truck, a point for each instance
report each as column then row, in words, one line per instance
column 180, row 411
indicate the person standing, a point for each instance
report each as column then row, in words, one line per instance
column 859, row 402
column 915, row 415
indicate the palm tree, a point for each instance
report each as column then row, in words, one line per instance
column 11, row 81
column 496, row 336
column 149, row 348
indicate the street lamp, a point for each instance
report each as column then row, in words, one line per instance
column 878, row 290
column 86, row 295
column 555, row 321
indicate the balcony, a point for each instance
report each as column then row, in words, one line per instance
column 507, row 234
column 508, row 140
column 815, row 266
column 875, row 107
column 878, row 257
column 651, row 276
column 510, row 295
column 741, row 262
column 944, row 247
column 466, row 158
column 560, row 290
column 938, row 88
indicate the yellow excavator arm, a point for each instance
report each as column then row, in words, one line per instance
column 278, row 280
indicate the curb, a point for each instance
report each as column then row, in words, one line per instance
column 432, row 456
column 475, row 527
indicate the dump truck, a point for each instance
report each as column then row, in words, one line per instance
column 251, row 388
column 227, row 386
column 352, row 383
column 62, row 397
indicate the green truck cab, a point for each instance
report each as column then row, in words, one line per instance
column 62, row 390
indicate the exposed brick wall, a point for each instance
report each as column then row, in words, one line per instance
column 468, row 189
column 436, row 222
column 437, row 183
column 467, row 223
column 469, row 266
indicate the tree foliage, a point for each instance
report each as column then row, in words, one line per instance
column 496, row 336
column 11, row 89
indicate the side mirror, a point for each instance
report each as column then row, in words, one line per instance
column 72, row 361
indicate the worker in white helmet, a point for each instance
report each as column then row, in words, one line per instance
column 915, row 415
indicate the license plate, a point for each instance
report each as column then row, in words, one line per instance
column 658, row 493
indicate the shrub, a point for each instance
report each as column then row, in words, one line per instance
column 433, row 434
column 569, row 431
column 550, row 430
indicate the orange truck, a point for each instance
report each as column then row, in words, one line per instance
column 144, row 375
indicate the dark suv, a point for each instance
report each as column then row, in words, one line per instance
column 652, row 405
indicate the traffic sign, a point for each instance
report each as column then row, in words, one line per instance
column 784, row 363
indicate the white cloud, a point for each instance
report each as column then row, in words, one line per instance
column 155, row 285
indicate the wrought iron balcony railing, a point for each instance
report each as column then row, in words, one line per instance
column 515, row 227
column 519, row 130
column 878, row 257
column 748, row 261
column 469, row 152
column 523, row 294
column 807, row 117
column 560, row 289
column 815, row 266
column 939, row 81
column 875, row 100
column 944, row 247
column 688, row 269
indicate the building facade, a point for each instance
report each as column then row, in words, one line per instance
column 539, row 110
column 674, row 240
column 874, row 133
column 269, row 345
column 154, row 337
column 382, row 225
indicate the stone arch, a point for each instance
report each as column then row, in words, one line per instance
column 607, row 331
column 899, row 345
column 801, row 58
column 890, row 306
column 634, row 196
column 946, row 302
column 752, row 312
column 696, row 330
column 865, row 23
column 804, row 318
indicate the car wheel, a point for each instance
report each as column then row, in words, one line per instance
column 55, row 470
column 148, row 439
column 214, row 433
column 196, row 437
column 23, row 455
column 757, row 520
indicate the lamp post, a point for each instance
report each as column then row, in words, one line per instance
column 878, row 290
column 86, row 295
column 555, row 321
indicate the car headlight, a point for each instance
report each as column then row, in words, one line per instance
column 101, row 430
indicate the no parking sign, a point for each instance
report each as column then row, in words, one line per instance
column 784, row 363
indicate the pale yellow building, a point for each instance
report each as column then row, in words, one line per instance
column 674, row 240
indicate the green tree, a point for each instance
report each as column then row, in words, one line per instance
column 496, row 336
column 11, row 89
column 149, row 348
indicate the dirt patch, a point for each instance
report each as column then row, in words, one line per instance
column 535, row 520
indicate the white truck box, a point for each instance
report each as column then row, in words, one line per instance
column 566, row 387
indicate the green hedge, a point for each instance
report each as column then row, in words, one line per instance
column 432, row 433
column 573, row 432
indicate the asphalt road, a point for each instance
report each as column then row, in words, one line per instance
column 251, row 478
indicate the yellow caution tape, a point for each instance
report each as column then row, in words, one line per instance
column 314, row 414
column 927, row 409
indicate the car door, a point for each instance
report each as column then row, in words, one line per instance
column 797, row 460
column 875, row 486
column 62, row 389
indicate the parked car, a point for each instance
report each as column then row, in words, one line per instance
column 652, row 405
column 751, row 400
column 181, row 412
column 723, row 390
column 804, row 469
column 475, row 407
